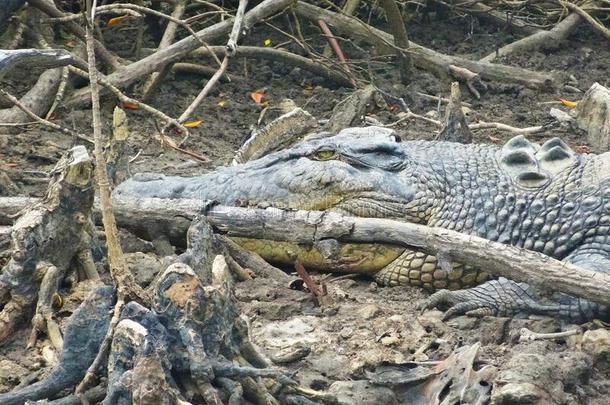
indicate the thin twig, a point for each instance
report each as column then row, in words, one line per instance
column 41, row 120
column 126, row 99
column 526, row 335
column 587, row 17
column 334, row 44
column 229, row 52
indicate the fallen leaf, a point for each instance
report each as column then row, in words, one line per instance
column 582, row 149
column 221, row 103
column 267, row 42
column 307, row 87
column 568, row 103
column 131, row 106
column 257, row 96
column 192, row 124
column 116, row 20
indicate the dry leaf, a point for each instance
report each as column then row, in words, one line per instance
column 116, row 20
column 221, row 103
column 131, row 106
column 568, row 103
column 307, row 87
column 192, row 124
column 257, row 96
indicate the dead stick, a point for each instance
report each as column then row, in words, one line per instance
column 280, row 55
column 41, row 120
column 332, row 41
column 401, row 39
column 587, row 17
column 229, row 52
column 156, row 78
column 125, row 283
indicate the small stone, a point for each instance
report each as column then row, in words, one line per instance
column 597, row 342
column 391, row 340
column 463, row 322
column 368, row 311
column 346, row 332
column 373, row 286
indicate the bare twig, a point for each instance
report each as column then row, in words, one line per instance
column 41, row 120
column 156, row 78
column 310, row 65
column 334, row 44
column 508, row 128
column 538, row 39
column 526, row 335
column 126, row 99
column 587, row 17
column 230, row 51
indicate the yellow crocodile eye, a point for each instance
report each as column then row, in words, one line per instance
column 324, row 154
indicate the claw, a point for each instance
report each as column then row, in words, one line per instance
column 438, row 298
column 460, row 309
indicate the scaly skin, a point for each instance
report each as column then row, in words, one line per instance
column 544, row 198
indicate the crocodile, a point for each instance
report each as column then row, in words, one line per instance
column 544, row 198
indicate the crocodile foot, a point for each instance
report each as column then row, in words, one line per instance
column 500, row 297
column 503, row 297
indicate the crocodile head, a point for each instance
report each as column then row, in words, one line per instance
column 360, row 171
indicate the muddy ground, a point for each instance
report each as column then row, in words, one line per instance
column 362, row 325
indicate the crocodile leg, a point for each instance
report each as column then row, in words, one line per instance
column 420, row 269
column 505, row 297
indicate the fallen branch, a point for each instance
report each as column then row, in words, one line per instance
column 41, row 120
column 150, row 216
column 539, row 39
column 425, row 58
column 283, row 56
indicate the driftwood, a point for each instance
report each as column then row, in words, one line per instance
column 150, row 217
column 423, row 57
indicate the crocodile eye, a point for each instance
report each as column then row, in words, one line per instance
column 324, row 154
